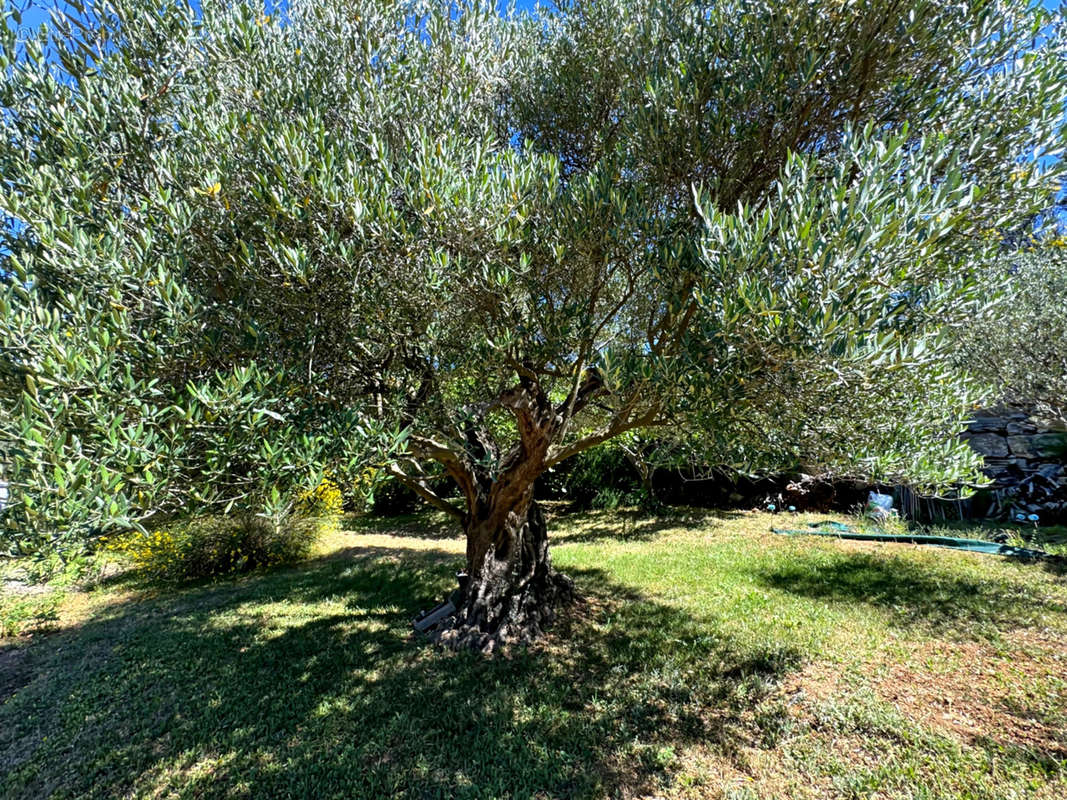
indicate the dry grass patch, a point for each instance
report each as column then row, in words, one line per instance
column 1011, row 694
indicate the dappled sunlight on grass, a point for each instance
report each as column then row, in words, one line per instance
column 314, row 686
column 690, row 669
column 924, row 592
column 428, row 525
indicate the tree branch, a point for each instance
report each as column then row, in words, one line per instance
column 620, row 424
column 421, row 488
column 455, row 465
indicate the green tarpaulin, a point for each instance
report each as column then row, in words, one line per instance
column 841, row 531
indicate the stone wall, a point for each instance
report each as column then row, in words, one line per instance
column 1025, row 460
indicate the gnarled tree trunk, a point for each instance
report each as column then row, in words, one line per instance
column 511, row 592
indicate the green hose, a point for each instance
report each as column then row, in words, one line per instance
column 841, row 531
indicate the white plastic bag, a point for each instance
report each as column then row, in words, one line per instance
column 879, row 506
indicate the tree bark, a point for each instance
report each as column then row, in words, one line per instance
column 512, row 593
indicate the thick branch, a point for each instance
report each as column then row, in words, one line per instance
column 532, row 411
column 455, row 465
column 591, row 387
column 421, row 488
column 621, row 423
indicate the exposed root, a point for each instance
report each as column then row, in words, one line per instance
column 490, row 619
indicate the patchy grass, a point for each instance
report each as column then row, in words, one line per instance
column 711, row 659
column 1050, row 538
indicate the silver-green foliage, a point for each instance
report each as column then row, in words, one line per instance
column 1018, row 345
column 115, row 408
column 840, row 162
column 244, row 249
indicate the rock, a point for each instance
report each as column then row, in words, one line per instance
column 990, row 444
column 1025, row 457
column 1020, row 446
column 995, row 463
column 1052, row 472
column 1050, row 444
column 987, row 424
column 1020, row 428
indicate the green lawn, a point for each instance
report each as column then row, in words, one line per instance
column 710, row 659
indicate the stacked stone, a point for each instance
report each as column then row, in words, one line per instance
column 1025, row 460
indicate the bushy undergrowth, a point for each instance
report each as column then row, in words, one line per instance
column 597, row 478
column 215, row 546
column 53, row 567
column 20, row 613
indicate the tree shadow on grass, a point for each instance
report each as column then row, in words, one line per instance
column 422, row 525
column 14, row 672
column 307, row 683
column 573, row 527
column 935, row 597
column 629, row 525
column 1056, row 564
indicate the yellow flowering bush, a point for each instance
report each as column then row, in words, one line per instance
column 325, row 500
column 215, row 546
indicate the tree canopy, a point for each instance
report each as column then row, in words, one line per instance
column 428, row 238
column 1018, row 344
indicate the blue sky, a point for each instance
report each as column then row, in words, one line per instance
column 37, row 13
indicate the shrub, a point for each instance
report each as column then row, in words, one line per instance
column 325, row 500
column 58, row 568
column 393, row 498
column 609, row 499
column 18, row 614
column 388, row 497
column 598, row 478
column 215, row 546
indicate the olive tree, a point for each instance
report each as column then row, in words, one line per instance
column 474, row 245
column 117, row 405
column 1018, row 344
